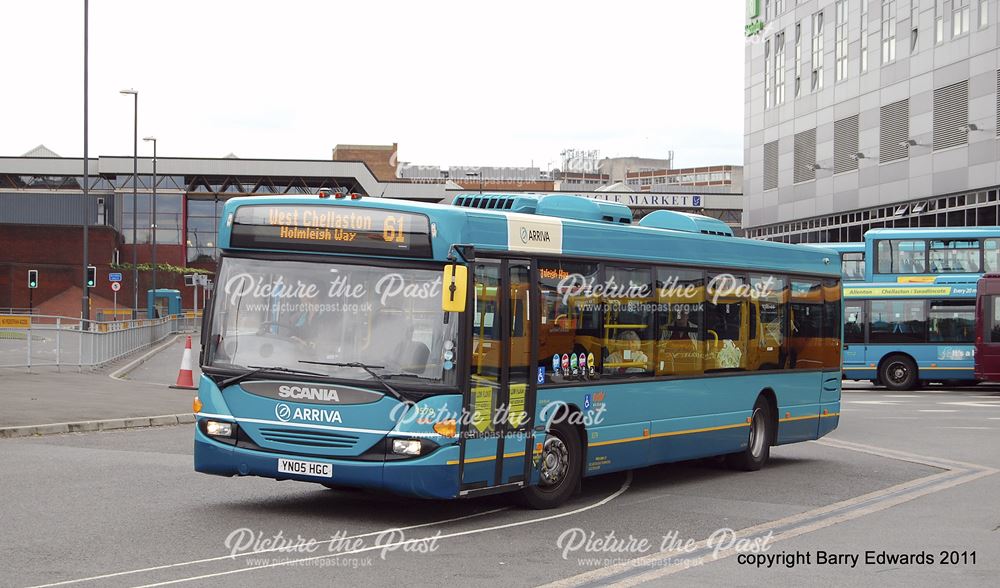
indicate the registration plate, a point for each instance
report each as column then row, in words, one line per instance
column 305, row 468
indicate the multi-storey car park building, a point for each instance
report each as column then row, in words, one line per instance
column 870, row 113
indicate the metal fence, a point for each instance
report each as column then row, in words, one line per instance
column 43, row 340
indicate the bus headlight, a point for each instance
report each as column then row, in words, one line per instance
column 406, row 446
column 219, row 429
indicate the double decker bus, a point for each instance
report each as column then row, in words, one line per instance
column 912, row 319
column 505, row 343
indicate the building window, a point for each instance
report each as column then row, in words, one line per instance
column 888, row 31
column 804, row 156
column 817, row 51
column 984, row 14
column 845, row 144
column 771, row 165
column 767, row 74
column 914, row 26
column 894, row 131
column 202, row 228
column 779, row 68
column 959, row 17
column 168, row 218
column 798, row 59
column 938, row 21
column 779, row 7
column 951, row 115
column 864, row 36
column 841, row 42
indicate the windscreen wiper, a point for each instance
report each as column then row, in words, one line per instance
column 368, row 368
column 256, row 370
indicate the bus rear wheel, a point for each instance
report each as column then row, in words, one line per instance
column 560, row 466
column 898, row 372
column 758, row 448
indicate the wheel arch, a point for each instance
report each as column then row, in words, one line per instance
column 772, row 400
column 568, row 411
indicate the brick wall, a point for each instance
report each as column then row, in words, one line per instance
column 56, row 252
column 381, row 159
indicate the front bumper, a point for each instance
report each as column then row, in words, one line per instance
column 427, row 476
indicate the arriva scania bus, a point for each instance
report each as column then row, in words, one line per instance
column 505, row 343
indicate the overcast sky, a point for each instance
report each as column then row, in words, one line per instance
column 454, row 83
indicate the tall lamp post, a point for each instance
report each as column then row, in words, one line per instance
column 153, row 224
column 135, row 199
column 85, row 313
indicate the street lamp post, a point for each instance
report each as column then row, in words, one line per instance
column 135, row 200
column 85, row 313
column 153, row 224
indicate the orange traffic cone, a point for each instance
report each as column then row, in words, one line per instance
column 185, row 378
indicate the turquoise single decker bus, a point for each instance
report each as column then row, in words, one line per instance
column 505, row 343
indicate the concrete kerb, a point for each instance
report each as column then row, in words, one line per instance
column 100, row 425
column 123, row 371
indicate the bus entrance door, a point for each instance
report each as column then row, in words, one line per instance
column 854, row 335
column 495, row 451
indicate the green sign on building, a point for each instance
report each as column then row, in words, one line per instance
column 753, row 13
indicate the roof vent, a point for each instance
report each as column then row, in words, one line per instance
column 514, row 203
column 583, row 208
column 683, row 221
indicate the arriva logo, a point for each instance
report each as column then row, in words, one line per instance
column 285, row 414
column 304, row 393
column 534, row 236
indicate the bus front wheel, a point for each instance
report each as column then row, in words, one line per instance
column 758, row 447
column 898, row 372
column 559, row 469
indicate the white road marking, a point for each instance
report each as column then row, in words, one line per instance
column 258, row 552
column 958, row 473
column 602, row 502
column 970, row 428
column 902, row 396
column 889, row 402
column 974, row 404
column 937, row 410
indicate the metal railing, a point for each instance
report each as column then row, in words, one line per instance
column 44, row 340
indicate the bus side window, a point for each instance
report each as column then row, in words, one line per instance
column 768, row 333
column 805, row 325
column 628, row 322
column 854, row 323
column 726, row 323
column 569, row 327
column 680, row 306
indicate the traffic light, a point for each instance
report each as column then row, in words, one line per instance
column 91, row 276
column 32, row 278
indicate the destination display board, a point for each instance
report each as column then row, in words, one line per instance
column 332, row 229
